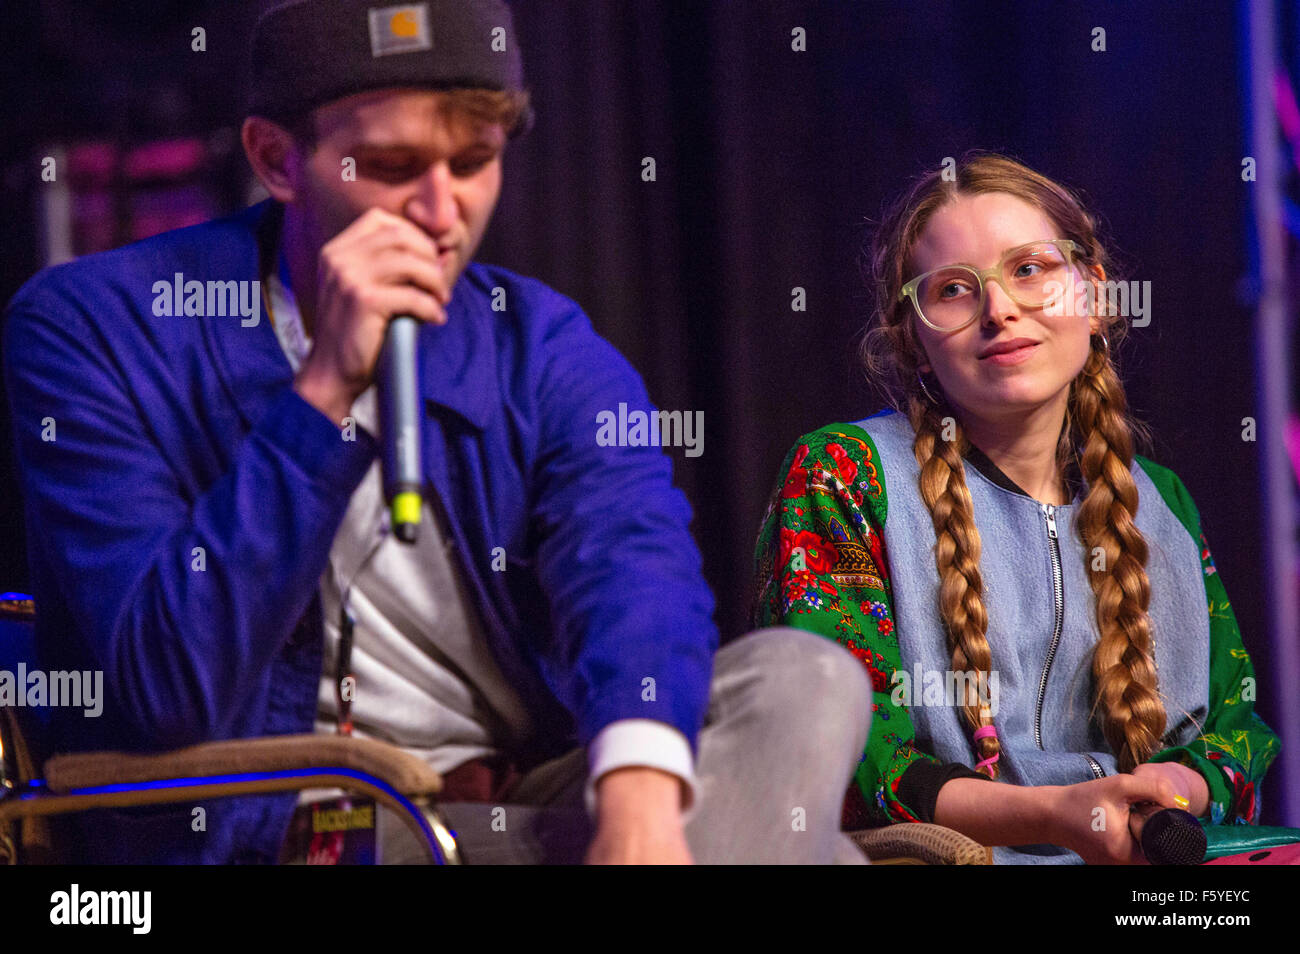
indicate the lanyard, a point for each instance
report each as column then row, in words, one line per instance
column 289, row 329
column 296, row 345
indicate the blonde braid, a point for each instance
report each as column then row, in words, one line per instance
column 957, row 557
column 1133, row 718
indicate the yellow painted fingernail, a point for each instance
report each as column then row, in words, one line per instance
column 1181, row 802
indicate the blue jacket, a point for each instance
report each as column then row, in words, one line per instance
column 182, row 499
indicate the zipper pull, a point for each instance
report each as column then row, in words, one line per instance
column 1049, row 512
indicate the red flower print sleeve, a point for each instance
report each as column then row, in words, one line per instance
column 820, row 566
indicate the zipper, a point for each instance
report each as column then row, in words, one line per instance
column 1058, row 595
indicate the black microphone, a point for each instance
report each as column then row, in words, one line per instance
column 1169, row 836
column 399, row 420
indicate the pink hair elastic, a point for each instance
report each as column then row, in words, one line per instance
column 985, row 731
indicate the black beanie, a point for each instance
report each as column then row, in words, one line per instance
column 307, row 53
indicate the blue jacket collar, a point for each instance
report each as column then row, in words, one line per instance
column 981, row 462
column 457, row 360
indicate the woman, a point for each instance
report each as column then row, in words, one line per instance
column 1028, row 595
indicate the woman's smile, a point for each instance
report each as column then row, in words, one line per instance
column 1005, row 353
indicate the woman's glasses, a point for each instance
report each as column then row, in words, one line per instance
column 951, row 297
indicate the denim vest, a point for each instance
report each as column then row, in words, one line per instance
column 1031, row 579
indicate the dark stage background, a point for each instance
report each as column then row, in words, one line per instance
column 770, row 165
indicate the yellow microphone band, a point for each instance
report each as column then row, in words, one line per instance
column 406, row 507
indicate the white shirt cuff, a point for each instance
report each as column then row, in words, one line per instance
column 645, row 743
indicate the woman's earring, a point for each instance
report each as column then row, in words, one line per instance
column 1105, row 342
column 921, row 381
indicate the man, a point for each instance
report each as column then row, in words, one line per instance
column 207, row 526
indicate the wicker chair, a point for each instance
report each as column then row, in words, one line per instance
column 920, row 844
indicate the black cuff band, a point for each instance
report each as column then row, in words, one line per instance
column 918, row 788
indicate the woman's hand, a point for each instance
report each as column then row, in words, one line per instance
column 1092, row 818
column 1188, row 783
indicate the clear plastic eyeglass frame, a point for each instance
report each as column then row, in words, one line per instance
column 1066, row 247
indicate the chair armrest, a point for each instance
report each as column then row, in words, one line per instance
column 920, row 843
column 1223, row 840
column 406, row 773
column 81, row 782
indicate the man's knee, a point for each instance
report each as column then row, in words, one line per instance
column 802, row 679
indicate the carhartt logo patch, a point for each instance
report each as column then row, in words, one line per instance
column 401, row 29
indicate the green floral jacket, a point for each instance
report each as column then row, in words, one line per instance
column 829, row 514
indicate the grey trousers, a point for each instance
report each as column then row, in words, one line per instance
column 786, row 725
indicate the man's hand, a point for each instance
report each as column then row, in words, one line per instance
column 379, row 266
column 639, row 819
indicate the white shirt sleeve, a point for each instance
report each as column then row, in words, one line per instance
column 641, row 742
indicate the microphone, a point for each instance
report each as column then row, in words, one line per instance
column 1169, row 836
column 399, row 420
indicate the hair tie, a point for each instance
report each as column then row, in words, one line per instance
column 985, row 731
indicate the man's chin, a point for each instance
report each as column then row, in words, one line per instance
column 452, row 265
column 453, row 276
